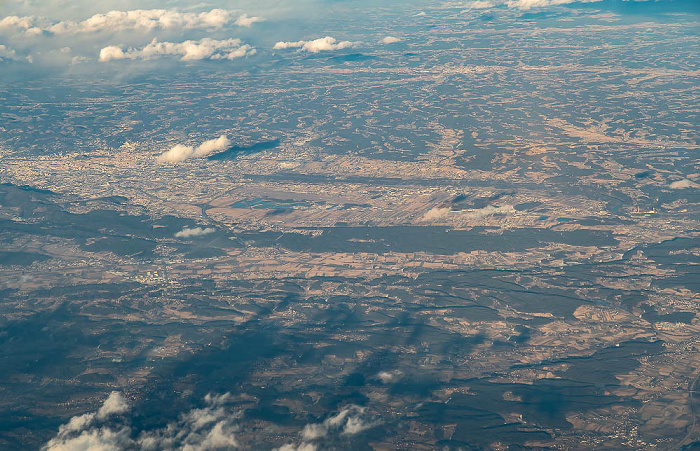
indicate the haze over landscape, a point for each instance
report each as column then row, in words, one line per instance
column 340, row 224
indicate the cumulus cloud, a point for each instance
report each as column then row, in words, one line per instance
column 481, row 4
column 300, row 447
column 520, row 4
column 349, row 421
column 317, row 45
column 390, row 40
column 527, row 4
column 195, row 232
column 355, row 425
column 490, row 210
column 211, row 427
column 212, row 145
column 205, row 48
column 115, row 404
column 6, row 53
column 389, row 376
column 138, row 19
column 683, row 184
column 103, row 439
column 180, row 152
column 245, row 21
column 79, row 432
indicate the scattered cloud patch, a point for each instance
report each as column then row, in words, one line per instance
column 138, row 19
column 527, row 4
column 349, row 421
column 388, row 377
column 317, row 45
column 180, row 152
column 481, row 4
column 245, row 21
column 7, row 54
column 79, row 432
column 300, row 447
column 519, row 4
column 79, row 59
column 205, row 48
column 115, row 404
column 195, row 232
column 490, row 210
column 390, row 40
column 436, row 213
column 211, row 427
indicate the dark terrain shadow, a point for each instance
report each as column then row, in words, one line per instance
column 236, row 151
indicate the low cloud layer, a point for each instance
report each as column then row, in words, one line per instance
column 211, row 427
column 138, row 19
column 317, row 45
column 527, row 4
column 6, row 53
column 520, row 4
column 205, row 48
column 490, row 210
column 442, row 212
column 180, row 152
column 195, row 232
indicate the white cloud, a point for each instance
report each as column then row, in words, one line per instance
column 442, row 212
column 390, row 40
column 481, row 4
column 348, row 421
column 205, row 48
column 436, row 213
column 389, row 376
column 180, row 152
column 314, row 431
column 176, row 153
column 138, row 19
column 245, row 21
column 315, row 46
column 23, row 23
column 211, row 427
column 520, row 4
column 79, row 59
column 220, row 436
column 212, row 145
column 355, row 425
column 300, row 447
column 111, row 52
column 103, row 439
column 490, row 210
column 77, row 435
column 682, row 184
column 115, row 404
column 6, row 53
column 527, row 4
column 197, row 231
